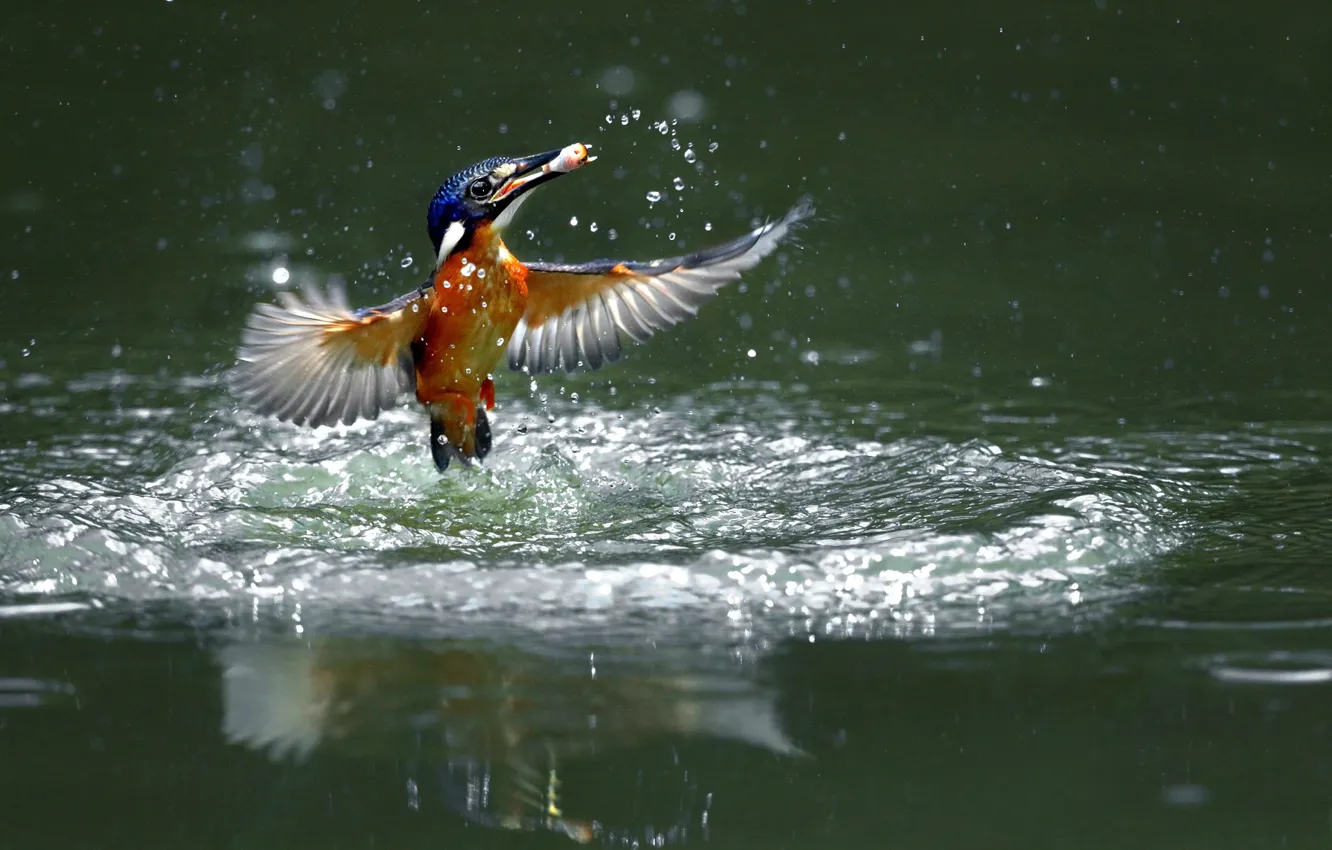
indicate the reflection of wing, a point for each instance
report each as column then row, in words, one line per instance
column 317, row 362
column 575, row 312
column 271, row 698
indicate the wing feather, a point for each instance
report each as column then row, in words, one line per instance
column 313, row 360
column 576, row 312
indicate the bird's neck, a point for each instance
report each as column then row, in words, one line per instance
column 485, row 253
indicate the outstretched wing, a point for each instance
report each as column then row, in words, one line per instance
column 575, row 313
column 315, row 361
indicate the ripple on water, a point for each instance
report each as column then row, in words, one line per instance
column 741, row 503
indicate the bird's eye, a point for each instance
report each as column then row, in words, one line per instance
column 479, row 189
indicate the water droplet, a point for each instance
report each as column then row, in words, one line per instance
column 467, row 371
column 636, row 113
column 707, row 225
column 712, row 148
column 573, row 222
column 522, row 428
column 617, row 80
column 752, row 353
column 448, row 285
column 116, row 350
column 675, row 144
column 612, row 235
column 480, row 272
column 671, row 236
column 662, row 127
column 690, row 156
column 592, row 227
column 624, row 120
column 841, row 137
column 678, row 183
column 654, row 196
column 531, row 235
column 281, row 275
column 406, row 262
column 14, row 275
column 573, row 397
column 499, row 342
column 687, row 105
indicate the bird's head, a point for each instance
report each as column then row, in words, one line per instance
column 490, row 192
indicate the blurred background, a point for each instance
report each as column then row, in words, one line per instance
column 993, row 509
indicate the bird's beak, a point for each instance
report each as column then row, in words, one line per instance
column 532, row 171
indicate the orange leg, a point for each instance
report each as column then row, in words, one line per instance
column 488, row 393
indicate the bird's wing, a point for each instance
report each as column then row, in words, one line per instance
column 315, row 361
column 575, row 313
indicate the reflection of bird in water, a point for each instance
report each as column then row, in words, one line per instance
column 498, row 720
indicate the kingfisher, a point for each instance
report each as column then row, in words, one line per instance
column 313, row 360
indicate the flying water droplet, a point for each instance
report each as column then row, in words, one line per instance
column 654, row 196
column 531, row 235
column 406, row 262
column 671, row 236
column 573, row 222
column 480, row 272
column 712, row 148
column 624, row 120
column 636, row 113
column 690, row 156
column 675, row 144
column 499, row 342
column 707, row 225
column 678, row 183
column 592, row 227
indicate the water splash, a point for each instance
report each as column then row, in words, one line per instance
column 743, row 502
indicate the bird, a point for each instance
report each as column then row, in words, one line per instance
column 313, row 360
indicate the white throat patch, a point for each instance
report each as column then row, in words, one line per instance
column 509, row 212
column 452, row 236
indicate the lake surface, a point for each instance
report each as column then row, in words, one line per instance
column 995, row 510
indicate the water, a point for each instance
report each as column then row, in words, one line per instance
column 994, row 511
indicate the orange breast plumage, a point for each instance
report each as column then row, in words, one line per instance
column 480, row 295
